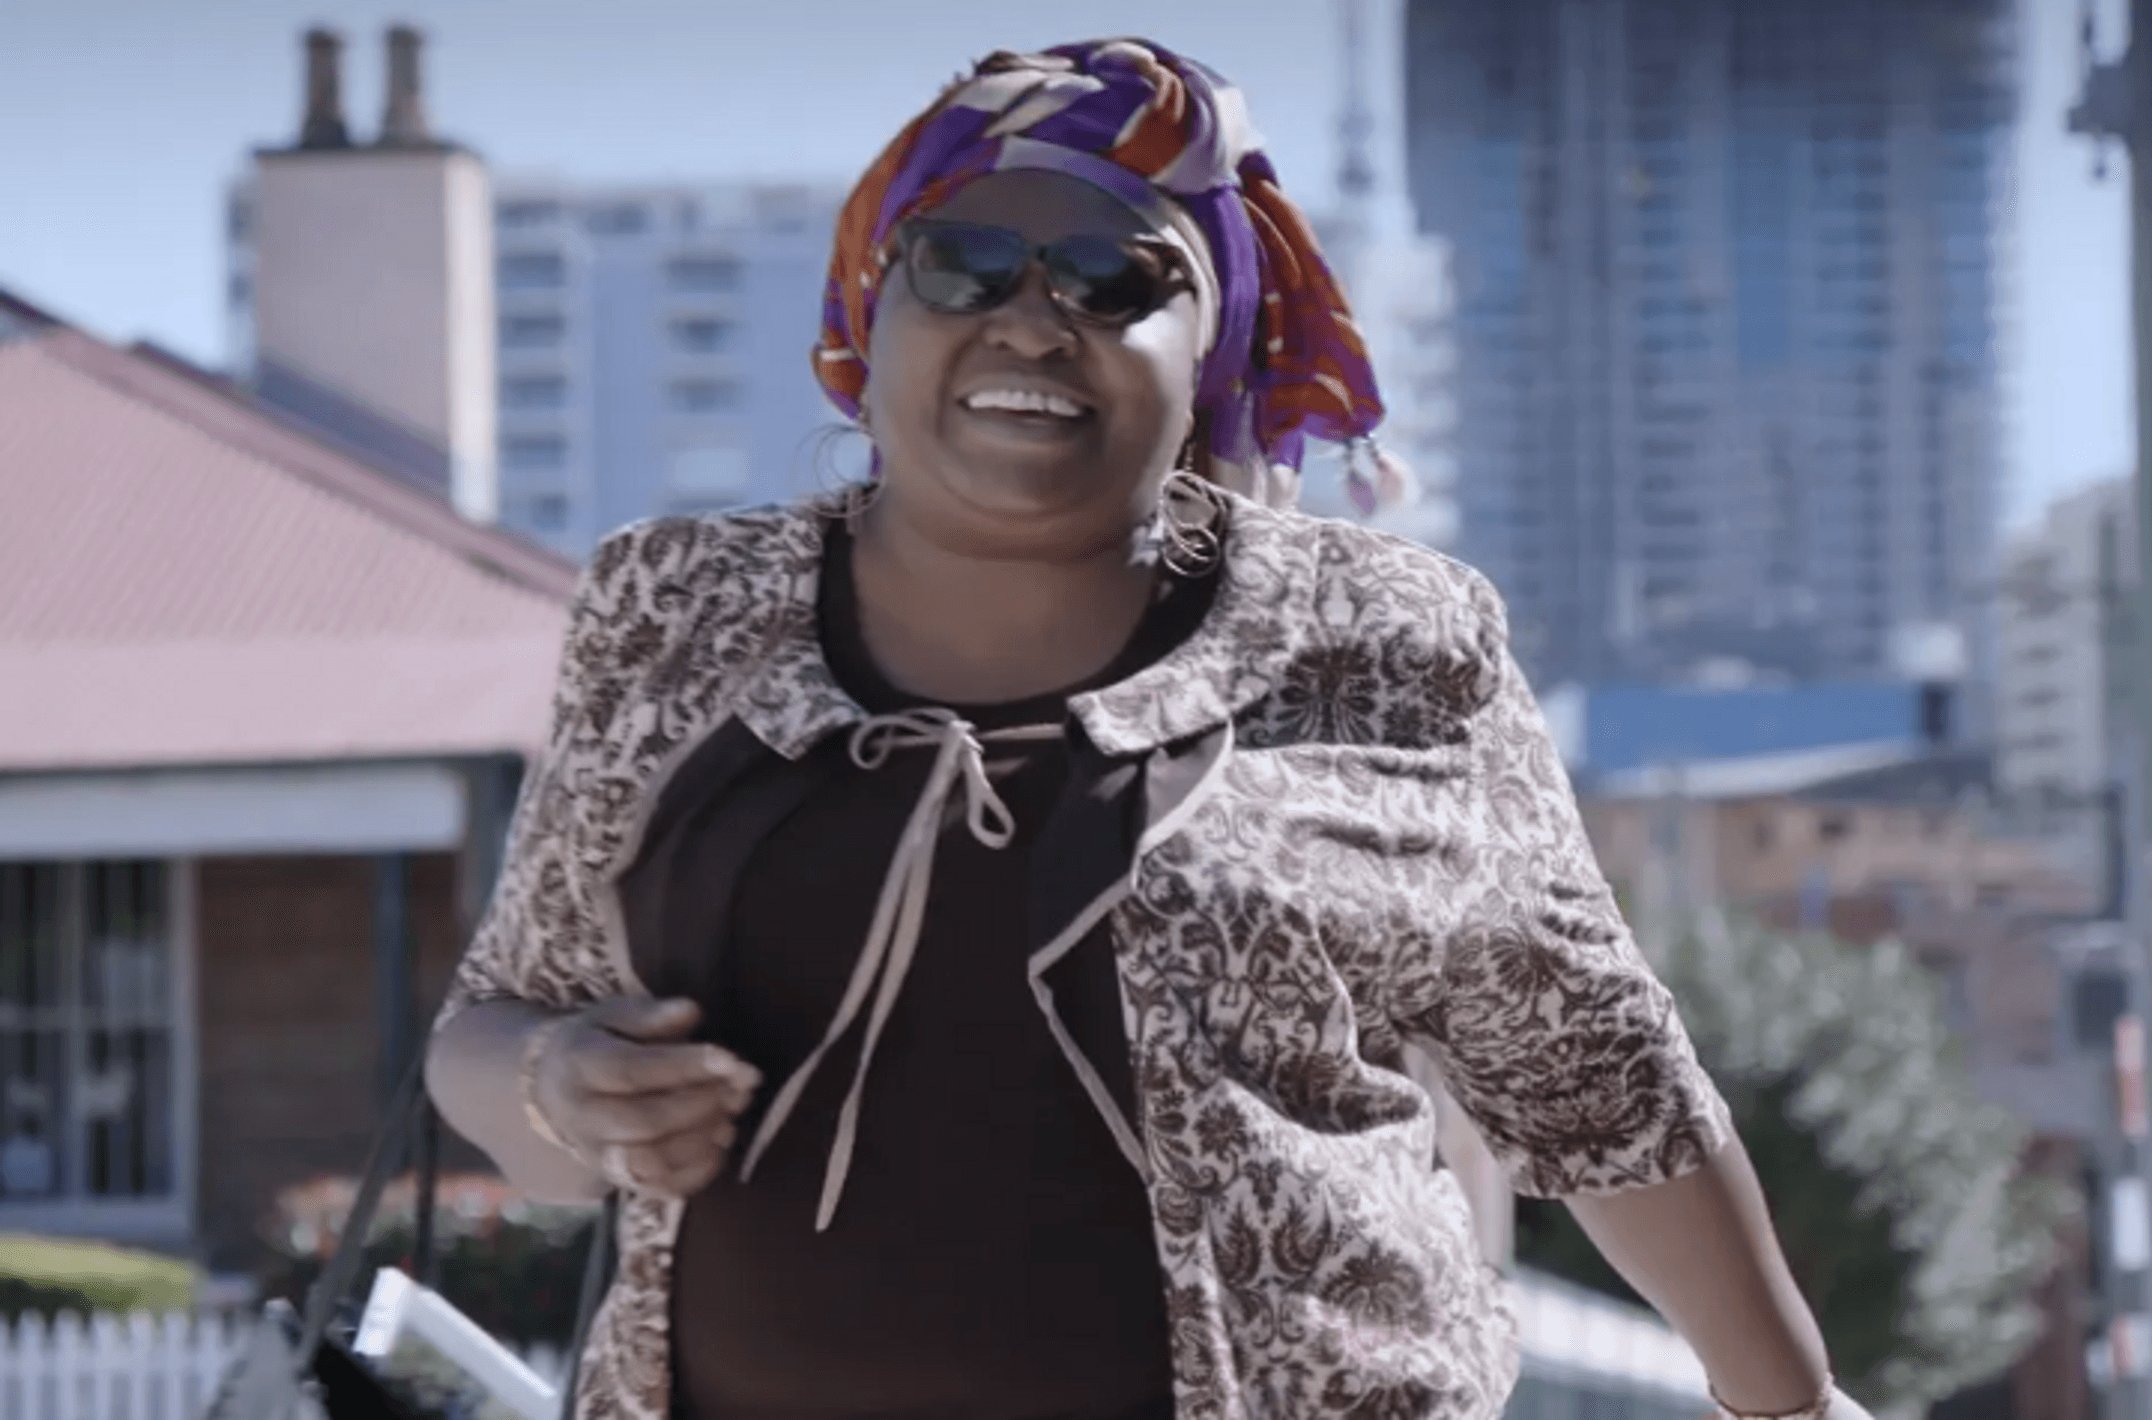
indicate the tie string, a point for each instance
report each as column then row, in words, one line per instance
column 885, row 957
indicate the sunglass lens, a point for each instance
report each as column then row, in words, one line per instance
column 962, row 268
column 1105, row 279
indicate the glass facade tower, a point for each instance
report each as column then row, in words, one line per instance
column 1728, row 321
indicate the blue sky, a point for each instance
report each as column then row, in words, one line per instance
column 121, row 121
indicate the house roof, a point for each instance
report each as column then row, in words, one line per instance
column 1615, row 729
column 1758, row 776
column 185, row 578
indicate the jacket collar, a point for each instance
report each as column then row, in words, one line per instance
column 1263, row 610
column 790, row 699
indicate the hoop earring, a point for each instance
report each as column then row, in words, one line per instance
column 854, row 499
column 1189, row 512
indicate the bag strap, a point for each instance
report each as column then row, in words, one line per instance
column 410, row 1114
column 343, row 1269
column 425, row 1249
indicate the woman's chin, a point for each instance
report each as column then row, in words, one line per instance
column 1037, row 489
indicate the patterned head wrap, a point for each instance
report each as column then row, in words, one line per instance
column 1171, row 139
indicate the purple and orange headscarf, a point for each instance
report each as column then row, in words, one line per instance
column 1172, row 139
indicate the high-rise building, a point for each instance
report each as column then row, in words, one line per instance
column 654, row 353
column 2063, row 672
column 1398, row 280
column 1728, row 309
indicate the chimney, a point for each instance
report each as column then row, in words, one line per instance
column 323, row 126
column 403, row 121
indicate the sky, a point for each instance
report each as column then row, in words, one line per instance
column 121, row 121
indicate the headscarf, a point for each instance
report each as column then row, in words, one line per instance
column 1171, row 139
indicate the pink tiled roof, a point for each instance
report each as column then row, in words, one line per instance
column 185, row 580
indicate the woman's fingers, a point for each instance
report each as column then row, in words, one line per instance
column 646, row 1018
column 646, row 1119
column 623, row 1075
column 680, row 1165
column 607, row 1065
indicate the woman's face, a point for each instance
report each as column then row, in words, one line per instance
column 1045, row 479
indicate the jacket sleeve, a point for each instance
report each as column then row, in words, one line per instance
column 1547, row 1024
column 540, row 939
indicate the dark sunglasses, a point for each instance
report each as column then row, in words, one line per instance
column 964, row 268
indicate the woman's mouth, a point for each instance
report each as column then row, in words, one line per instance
column 1028, row 408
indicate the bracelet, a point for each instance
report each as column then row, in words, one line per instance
column 1814, row 1410
column 527, row 1087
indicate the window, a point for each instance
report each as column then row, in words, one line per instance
column 534, row 453
column 88, row 1022
column 532, row 271
column 701, row 335
column 2098, row 998
column 618, row 219
column 704, row 396
column 527, row 213
column 532, row 332
column 548, row 512
column 703, row 273
column 534, row 392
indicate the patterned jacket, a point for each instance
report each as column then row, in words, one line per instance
column 1358, row 833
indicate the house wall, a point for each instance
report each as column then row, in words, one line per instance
column 289, row 1043
column 1754, row 850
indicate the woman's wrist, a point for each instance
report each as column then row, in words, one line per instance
column 1817, row 1409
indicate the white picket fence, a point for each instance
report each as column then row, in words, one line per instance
column 133, row 1367
column 114, row 1367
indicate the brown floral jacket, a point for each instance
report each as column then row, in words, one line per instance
column 1359, row 833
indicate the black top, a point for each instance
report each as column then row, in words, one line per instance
column 992, row 1257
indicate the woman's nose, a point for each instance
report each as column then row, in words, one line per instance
column 1029, row 323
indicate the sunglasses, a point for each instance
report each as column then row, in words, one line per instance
column 966, row 268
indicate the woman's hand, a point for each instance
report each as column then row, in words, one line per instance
column 623, row 1085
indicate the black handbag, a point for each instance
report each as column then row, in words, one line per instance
column 302, row 1367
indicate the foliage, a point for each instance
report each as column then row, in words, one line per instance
column 1898, row 1194
column 53, row 1275
column 513, row 1266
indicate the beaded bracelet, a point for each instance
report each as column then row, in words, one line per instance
column 1814, row 1410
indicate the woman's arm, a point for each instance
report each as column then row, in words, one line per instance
column 536, row 951
column 473, row 1069
column 1699, row 1247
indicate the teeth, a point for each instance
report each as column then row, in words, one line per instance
column 1026, row 402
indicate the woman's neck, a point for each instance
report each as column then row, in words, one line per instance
column 969, row 624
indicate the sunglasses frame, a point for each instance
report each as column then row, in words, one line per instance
column 1173, row 276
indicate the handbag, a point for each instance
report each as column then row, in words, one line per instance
column 303, row 1366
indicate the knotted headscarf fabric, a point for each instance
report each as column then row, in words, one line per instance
column 1171, row 139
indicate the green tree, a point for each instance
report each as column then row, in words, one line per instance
column 1898, row 1194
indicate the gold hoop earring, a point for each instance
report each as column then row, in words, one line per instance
column 1189, row 512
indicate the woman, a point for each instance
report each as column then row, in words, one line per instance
column 1037, row 861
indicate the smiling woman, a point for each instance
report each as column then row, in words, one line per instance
column 1038, row 858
